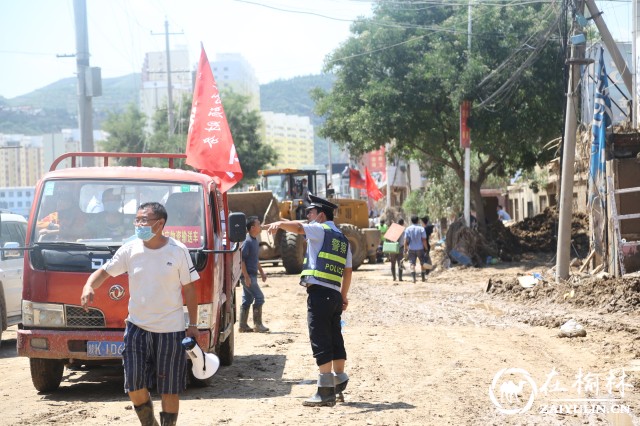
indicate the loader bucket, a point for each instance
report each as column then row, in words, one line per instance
column 255, row 203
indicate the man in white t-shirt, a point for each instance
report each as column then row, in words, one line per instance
column 160, row 270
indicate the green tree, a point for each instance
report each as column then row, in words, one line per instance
column 402, row 75
column 245, row 126
column 126, row 133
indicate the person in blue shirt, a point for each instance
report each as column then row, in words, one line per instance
column 502, row 214
column 252, row 294
column 415, row 246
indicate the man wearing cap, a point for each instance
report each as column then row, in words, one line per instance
column 327, row 277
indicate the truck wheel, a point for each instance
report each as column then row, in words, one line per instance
column 357, row 243
column 293, row 248
column 46, row 374
column 227, row 348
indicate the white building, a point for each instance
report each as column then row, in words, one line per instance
column 232, row 71
column 154, row 92
column 17, row 199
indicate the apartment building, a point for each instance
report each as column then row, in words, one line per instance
column 292, row 138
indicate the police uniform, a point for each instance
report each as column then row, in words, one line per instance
column 328, row 254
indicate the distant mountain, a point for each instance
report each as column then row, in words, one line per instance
column 54, row 107
column 117, row 92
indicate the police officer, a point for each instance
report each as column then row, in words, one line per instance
column 327, row 277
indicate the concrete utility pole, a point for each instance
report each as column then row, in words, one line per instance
column 169, row 86
column 85, row 106
column 563, row 250
column 467, row 149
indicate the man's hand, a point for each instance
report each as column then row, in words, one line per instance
column 192, row 331
column 247, row 280
column 345, row 303
column 87, row 297
column 264, row 276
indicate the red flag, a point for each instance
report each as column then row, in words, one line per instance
column 355, row 179
column 372, row 187
column 210, row 147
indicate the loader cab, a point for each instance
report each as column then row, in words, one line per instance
column 294, row 184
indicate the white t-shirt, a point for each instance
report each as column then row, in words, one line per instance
column 314, row 233
column 156, row 277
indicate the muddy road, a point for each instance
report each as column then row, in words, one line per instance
column 444, row 352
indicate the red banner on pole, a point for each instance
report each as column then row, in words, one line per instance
column 210, row 147
column 355, row 180
column 465, row 131
column 372, row 187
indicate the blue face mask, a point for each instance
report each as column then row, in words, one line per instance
column 144, row 233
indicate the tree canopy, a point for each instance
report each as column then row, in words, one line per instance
column 403, row 73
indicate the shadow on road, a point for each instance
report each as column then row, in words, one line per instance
column 8, row 348
column 367, row 407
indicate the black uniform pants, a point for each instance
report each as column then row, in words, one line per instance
column 324, row 310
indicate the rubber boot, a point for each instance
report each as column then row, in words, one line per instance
column 168, row 419
column 244, row 317
column 326, row 393
column 423, row 277
column 340, row 381
column 257, row 320
column 413, row 275
column 145, row 414
column 400, row 274
column 393, row 272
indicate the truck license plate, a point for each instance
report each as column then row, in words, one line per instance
column 105, row 349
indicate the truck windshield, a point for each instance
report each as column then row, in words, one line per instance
column 102, row 212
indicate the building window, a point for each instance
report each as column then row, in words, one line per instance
column 19, row 193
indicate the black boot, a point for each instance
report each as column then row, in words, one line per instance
column 258, row 326
column 244, row 317
column 168, row 419
column 145, row 414
column 423, row 277
column 413, row 275
column 340, row 382
column 400, row 273
column 326, row 394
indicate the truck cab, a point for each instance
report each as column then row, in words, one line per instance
column 80, row 217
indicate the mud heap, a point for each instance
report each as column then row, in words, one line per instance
column 535, row 234
column 603, row 294
column 539, row 233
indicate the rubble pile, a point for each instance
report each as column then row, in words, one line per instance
column 602, row 293
column 539, row 233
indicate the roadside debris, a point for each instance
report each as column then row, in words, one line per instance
column 571, row 328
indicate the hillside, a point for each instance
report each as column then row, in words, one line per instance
column 292, row 96
column 54, row 107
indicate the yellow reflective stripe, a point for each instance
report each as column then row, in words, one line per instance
column 332, row 277
column 338, row 259
column 318, row 274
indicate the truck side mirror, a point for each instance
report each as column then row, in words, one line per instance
column 237, row 227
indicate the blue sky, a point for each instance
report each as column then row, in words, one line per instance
column 280, row 38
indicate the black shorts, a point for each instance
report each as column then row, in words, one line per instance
column 324, row 311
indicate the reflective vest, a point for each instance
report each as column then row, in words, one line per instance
column 332, row 258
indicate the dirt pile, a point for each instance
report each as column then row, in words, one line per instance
column 539, row 233
column 603, row 294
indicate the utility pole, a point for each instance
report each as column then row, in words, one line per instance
column 563, row 250
column 467, row 149
column 169, row 86
column 85, row 106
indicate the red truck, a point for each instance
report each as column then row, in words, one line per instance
column 79, row 218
